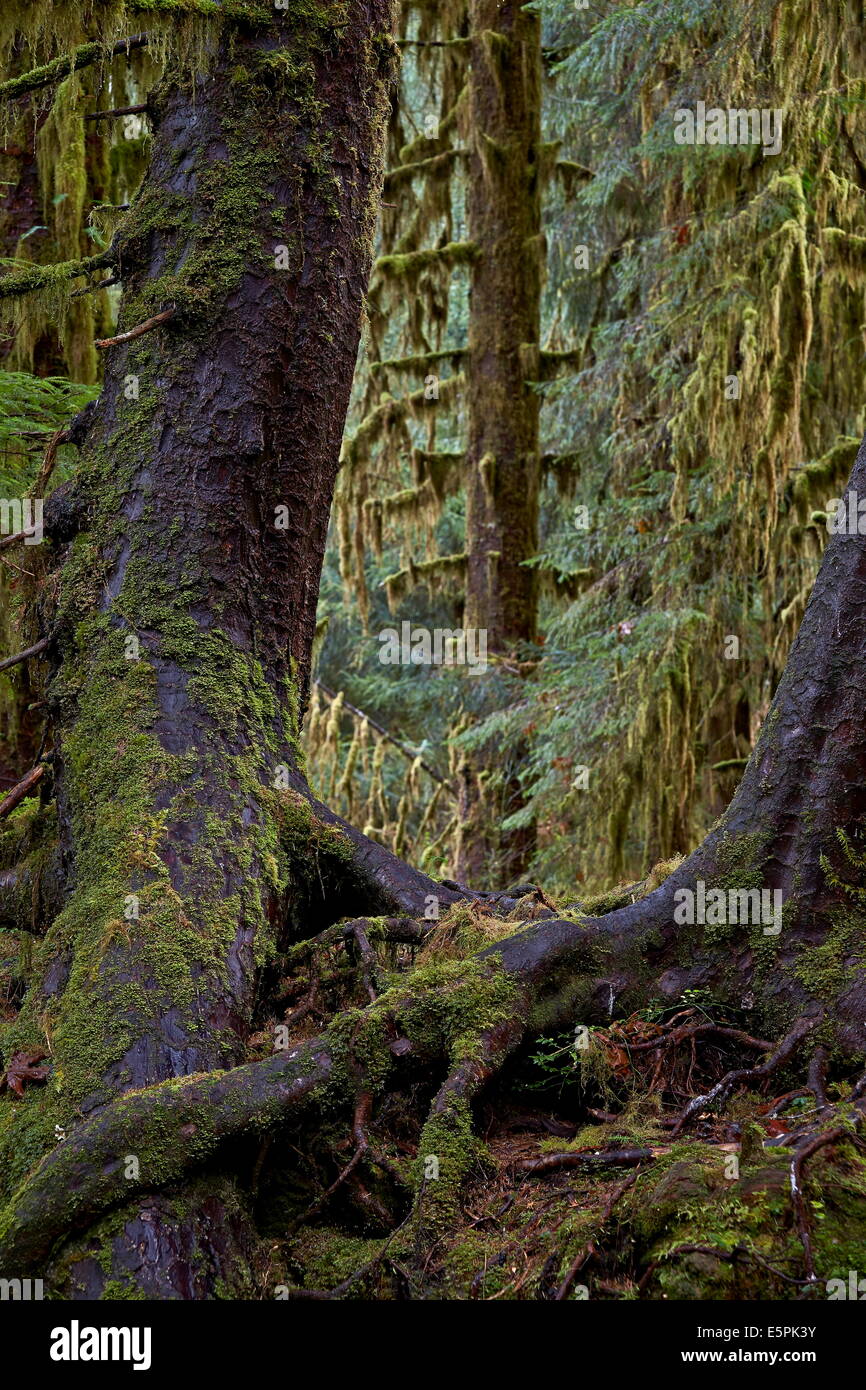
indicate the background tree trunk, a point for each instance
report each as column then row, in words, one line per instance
column 503, row 462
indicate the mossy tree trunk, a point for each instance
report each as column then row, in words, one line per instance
column 186, row 603
column 503, row 460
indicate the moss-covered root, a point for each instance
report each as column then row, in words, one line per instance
column 467, row 1014
column 449, row 1148
column 168, row 1130
column 380, row 881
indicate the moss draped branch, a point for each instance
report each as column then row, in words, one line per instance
column 51, row 73
column 41, row 277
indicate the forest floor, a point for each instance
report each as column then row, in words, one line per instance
column 585, row 1181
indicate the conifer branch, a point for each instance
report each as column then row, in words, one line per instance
column 437, row 164
column 420, row 362
column 410, row 262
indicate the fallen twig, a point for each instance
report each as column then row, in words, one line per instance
column 723, row 1088
column 588, row 1158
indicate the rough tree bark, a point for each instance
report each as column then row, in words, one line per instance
column 186, row 607
column 503, row 473
column 182, row 638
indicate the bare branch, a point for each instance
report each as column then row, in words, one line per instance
column 138, row 330
column 59, row 437
column 23, row 789
column 116, row 111
column 93, row 289
column 35, row 650
column 383, row 733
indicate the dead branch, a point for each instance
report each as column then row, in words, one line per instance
column 116, row 111
column 29, row 652
column 139, row 329
column 684, row 1032
column 60, row 436
column 100, row 285
column 18, row 536
column 588, row 1158
column 23, row 789
column 723, row 1088
column 383, row 733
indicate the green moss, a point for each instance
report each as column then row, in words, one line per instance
column 828, row 970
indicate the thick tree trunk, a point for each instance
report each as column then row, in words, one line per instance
column 795, row 827
column 187, row 603
column 503, row 460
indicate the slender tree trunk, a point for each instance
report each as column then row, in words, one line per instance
column 503, row 462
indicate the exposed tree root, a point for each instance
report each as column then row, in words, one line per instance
column 743, row 1075
column 181, row 1123
column 590, row 1249
column 738, row 1254
column 460, row 1018
column 798, row 1163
